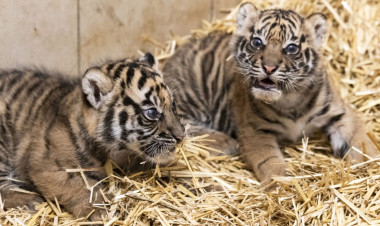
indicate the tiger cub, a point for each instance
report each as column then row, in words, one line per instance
column 273, row 89
column 52, row 123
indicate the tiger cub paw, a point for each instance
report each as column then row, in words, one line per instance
column 272, row 167
column 14, row 199
column 221, row 142
column 97, row 215
column 361, row 150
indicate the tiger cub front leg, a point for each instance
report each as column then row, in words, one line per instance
column 71, row 192
column 262, row 153
column 13, row 198
column 216, row 140
column 346, row 130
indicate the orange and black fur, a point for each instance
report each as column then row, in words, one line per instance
column 274, row 88
column 53, row 123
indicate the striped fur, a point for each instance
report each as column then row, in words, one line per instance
column 121, row 110
column 273, row 89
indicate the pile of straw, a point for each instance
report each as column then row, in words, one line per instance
column 203, row 189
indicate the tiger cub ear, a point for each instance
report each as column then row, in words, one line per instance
column 318, row 24
column 96, row 85
column 246, row 16
column 149, row 59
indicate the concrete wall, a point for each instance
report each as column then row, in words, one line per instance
column 71, row 35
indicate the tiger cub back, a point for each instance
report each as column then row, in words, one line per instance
column 50, row 123
column 273, row 89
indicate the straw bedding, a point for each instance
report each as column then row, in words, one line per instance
column 203, row 189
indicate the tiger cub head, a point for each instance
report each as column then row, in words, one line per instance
column 278, row 51
column 134, row 109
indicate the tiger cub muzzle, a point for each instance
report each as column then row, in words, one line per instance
column 160, row 147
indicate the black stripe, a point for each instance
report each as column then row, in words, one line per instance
column 307, row 54
column 37, row 96
column 155, row 100
column 47, row 138
column 303, row 39
column 158, row 89
column 265, row 160
column 46, row 98
column 4, row 133
column 107, row 123
column 333, row 120
column 55, row 102
column 17, row 92
column 272, row 26
column 163, row 86
column 207, row 65
column 109, row 68
column 127, row 101
column 266, row 18
column 214, row 84
column 59, row 165
column 130, row 75
column 123, row 117
column 291, row 32
column 252, row 29
column 189, row 100
column 222, row 119
column 4, row 152
column 312, row 100
column 16, row 76
column 93, row 175
column 324, row 110
column 238, row 42
column 149, row 93
column 292, row 23
column 293, row 38
column 133, row 64
column 82, row 157
column 269, row 131
column 315, row 57
column 118, row 71
column 242, row 44
column 147, row 103
column 142, row 81
column 264, row 117
column 91, row 144
column 122, row 85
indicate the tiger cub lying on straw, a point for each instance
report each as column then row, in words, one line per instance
column 275, row 88
column 51, row 123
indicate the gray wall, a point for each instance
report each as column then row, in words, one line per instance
column 70, row 35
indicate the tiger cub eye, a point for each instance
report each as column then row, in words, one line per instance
column 152, row 114
column 257, row 43
column 291, row 49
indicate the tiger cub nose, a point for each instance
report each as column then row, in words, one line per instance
column 179, row 137
column 269, row 69
column 178, row 134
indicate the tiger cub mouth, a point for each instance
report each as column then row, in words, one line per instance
column 267, row 84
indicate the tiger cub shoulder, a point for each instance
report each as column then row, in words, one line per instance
column 118, row 110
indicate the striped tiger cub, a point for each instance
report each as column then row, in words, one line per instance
column 50, row 123
column 273, row 89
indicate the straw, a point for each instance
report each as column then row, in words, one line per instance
column 200, row 188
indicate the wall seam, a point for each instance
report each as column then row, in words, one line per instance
column 78, row 39
column 212, row 10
